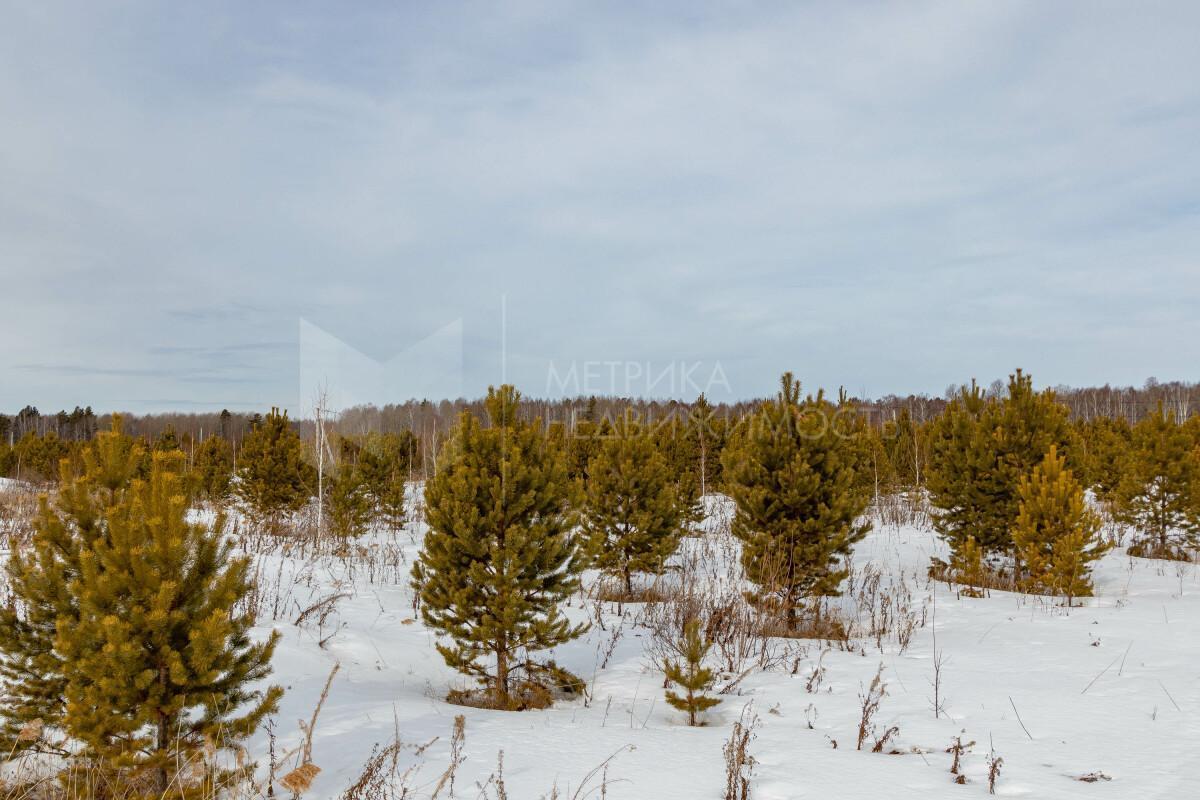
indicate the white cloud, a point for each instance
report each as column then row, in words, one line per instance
column 896, row 196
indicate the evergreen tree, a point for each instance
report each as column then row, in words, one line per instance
column 966, row 567
column 878, row 475
column 582, row 445
column 691, row 675
column 1160, row 494
column 1056, row 534
column 634, row 515
column 40, row 578
column 500, row 555
column 113, row 460
column 980, row 448
column 348, row 503
column 273, row 476
column 904, row 442
column 38, row 457
column 159, row 664
column 8, row 459
column 793, row 470
column 1106, row 445
column 707, row 434
column 671, row 438
column 384, row 464
column 167, row 440
column 213, row 470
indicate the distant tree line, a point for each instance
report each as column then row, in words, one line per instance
column 521, row 496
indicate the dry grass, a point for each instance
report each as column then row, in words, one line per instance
column 870, row 700
column 458, row 737
column 957, row 749
column 1149, row 548
column 18, row 507
column 203, row 777
column 989, row 576
column 524, row 696
column 610, row 591
column 827, row 626
column 887, row 610
column 739, row 764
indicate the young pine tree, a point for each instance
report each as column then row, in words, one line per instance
column 41, row 578
column 691, row 675
column 966, row 567
column 160, row 663
column 112, row 460
column 794, row 471
column 634, row 515
column 1160, row 493
column 273, row 476
column 384, row 464
column 348, row 502
column 1106, row 446
column 1056, row 534
column 167, row 441
column 672, row 440
column 500, row 555
column 905, row 444
column 980, row 449
column 213, row 469
column 707, row 433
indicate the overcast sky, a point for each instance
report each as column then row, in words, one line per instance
column 890, row 197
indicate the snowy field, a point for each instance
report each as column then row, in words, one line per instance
column 1110, row 690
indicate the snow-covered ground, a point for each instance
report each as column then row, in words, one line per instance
column 1111, row 688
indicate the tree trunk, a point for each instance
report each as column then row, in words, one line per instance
column 502, row 673
column 164, row 733
column 163, row 739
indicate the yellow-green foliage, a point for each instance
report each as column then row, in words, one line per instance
column 980, row 449
column 273, row 475
column 500, row 554
column 159, row 664
column 966, row 565
column 124, row 636
column 1056, row 534
column 690, row 674
column 794, row 469
column 1159, row 494
column 213, row 468
column 348, row 502
column 635, row 514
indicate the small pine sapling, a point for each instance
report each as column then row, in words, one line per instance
column 966, row 565
column 691, row 675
